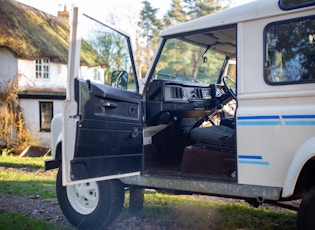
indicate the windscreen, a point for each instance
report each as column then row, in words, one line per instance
column 199, row 57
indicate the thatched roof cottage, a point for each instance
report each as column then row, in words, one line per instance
column 34, row 50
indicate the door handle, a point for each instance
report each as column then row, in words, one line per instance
column 110, row 105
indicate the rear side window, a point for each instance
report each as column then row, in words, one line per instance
column 293, row 4
column 290, row 51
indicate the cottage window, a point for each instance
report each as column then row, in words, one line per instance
column 45, row 115
column 42, row 68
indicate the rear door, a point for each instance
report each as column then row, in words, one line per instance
column 102, row 118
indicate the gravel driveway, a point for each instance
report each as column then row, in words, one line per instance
column 49, row 211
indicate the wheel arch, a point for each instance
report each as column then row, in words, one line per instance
column 56, row 133
column 55, row 162
column 303, row 156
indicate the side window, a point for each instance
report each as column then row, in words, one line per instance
column 290, row 51
column 45, row 116
column 293, row 4
column 106, row 56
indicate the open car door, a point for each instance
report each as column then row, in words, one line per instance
column 102, row 116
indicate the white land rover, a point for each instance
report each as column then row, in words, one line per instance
column 173, row 132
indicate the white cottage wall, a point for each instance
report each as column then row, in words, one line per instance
column 31, row 115
column 8, row 65
column 57, row 75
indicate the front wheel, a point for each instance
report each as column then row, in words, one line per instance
column 306, row 213
column 90, row 205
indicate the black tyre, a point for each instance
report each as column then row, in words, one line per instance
column 91, row 205
column 306, row 213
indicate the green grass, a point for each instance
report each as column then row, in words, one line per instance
column 202, row 214
column 20, row 162
column 25, row 176
column 11, row 220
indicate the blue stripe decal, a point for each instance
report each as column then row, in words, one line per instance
column 257, row 117
column 253, row 162
column 260, row 123
column 298, row 116
column 299, row 122
column 274, row 120
column 250, row 157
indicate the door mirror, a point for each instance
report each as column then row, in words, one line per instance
column 119, row 79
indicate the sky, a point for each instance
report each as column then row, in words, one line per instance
column 126, row 11
column 101, row 7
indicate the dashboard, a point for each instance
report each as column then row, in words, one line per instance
column 162, row 90
column 166, row 100
column 185, row 93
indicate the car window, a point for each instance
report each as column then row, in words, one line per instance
column 107, row 58
column 197, row 57
column 290, row 51
column 293, row 4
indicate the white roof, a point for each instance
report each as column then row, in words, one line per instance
column 253, row 10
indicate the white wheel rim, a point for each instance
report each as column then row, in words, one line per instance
column 83, row 197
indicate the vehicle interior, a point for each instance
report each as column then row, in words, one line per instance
column 190, row 106
column 189, row 98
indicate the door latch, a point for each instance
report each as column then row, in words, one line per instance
column 135, row 132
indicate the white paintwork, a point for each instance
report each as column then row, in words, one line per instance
column 277, row 145
column 69, row 121
column 247, row 12
column 303, row 154
column 56, row 133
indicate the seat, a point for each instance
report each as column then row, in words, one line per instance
column 219, row 135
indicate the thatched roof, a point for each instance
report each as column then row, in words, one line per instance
column 32, row 34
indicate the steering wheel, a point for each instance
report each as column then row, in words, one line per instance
column 227, row 84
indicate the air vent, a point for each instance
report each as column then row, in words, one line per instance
column 199, row 93
column 178, row 92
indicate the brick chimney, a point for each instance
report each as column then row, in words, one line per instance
column 64, row 15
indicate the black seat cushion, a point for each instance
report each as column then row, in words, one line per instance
column 228, row 121
column 214, row 135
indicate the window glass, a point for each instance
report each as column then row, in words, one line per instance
column 290, row 51
column 199, row 57
column 182, row 61
column 45, row 115
column 231, row 70
column 45, row 68
column 106, row 56
column 293, row 4
column 38, row 68
column 42, row 68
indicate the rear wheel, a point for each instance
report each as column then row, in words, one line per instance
column 90, row 205
column 306, row 213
